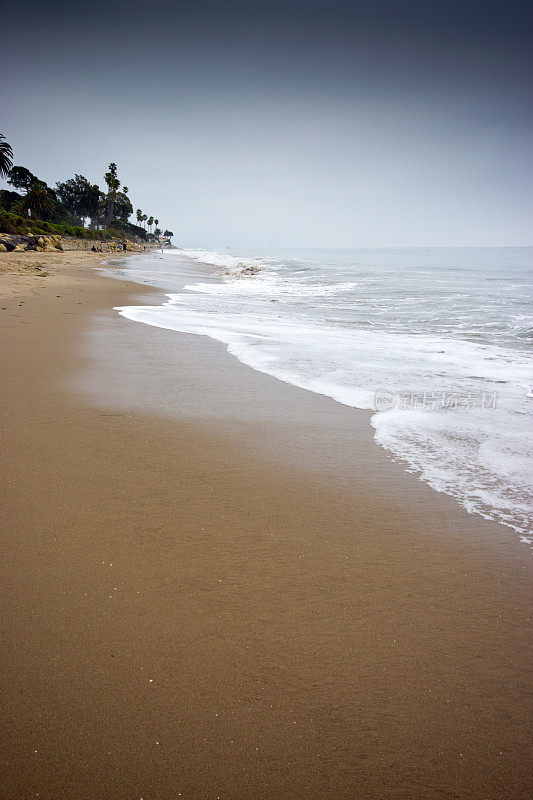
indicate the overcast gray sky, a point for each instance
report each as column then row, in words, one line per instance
column 294, row 124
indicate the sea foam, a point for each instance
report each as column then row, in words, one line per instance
column 440, row 332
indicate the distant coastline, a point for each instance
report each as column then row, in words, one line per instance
column 74, row 209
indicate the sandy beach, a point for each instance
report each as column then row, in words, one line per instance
column 215, row 585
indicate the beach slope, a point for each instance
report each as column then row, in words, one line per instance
column 185, row 615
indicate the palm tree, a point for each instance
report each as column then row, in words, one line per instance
column 144, row 218
column 139, row 216
column 150, row 223
column 113, row 184
column 6, row 157
column 38, row 200
column 156, row 222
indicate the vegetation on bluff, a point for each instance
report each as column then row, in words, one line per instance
column 75, row 207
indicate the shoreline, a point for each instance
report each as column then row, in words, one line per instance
column 147, row 312
column 180, row 589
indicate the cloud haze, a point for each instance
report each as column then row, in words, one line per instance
column 265, row 124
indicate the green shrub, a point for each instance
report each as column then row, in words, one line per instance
column 14, row 223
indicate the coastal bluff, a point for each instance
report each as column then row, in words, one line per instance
column 41, row 243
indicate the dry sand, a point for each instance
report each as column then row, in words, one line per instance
column 23, row 274
column 189, row 611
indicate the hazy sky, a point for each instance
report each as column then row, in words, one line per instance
column 295, row 123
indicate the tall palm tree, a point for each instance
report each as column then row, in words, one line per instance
column 139, row 216
column 113, row 184
column 150, row 223
column 6, row 157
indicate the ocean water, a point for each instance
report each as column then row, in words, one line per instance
column 435, row 342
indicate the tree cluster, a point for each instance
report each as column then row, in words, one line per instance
column 75, row 201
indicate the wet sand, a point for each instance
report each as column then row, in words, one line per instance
column 216, row 585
